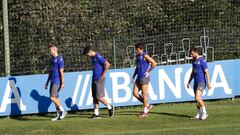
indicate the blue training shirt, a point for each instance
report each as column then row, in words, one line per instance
column 98, row 66
column 142, row 65
column 56, row 64
column 199, row 66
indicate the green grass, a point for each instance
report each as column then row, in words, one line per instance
column 165, row 119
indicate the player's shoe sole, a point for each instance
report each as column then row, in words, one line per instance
column 95, row 116
column 204, row 116
column 56, row 118
column 111, row 111
column 63, row 115
column 149, row 108
column 197, row 117
column 143, row 115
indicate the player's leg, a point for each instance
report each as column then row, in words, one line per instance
column 144, row 86
column 199, row 113
column 109, row 106
column 136, row 89
column 145, row 97
column 199, row 100
column 96, row 108
column 54, row 89
column 62, row 112
column 100, row 94
column 95, row 101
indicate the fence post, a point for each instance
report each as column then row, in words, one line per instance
column 204, row 38
column 6, row 37
column 114, row 52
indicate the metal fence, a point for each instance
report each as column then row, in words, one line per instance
column 167, row 27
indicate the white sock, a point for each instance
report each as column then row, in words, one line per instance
column 109, row 106
column 96, row 111
column 145, row 110
column 61, row 109
column 204, row 109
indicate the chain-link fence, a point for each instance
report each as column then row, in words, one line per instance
column 219, row 44
column 74, row 24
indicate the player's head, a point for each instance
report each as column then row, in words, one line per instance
column 88, row 51
column 53, row 49
column 194, row 52
column 139, row 48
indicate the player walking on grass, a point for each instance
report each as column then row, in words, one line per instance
column 56, row 79
column 142, row 71
column 201, row 78
column 100, row 67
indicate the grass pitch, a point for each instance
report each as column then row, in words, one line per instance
column 165, row 119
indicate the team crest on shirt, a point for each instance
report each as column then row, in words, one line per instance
column 197, row 62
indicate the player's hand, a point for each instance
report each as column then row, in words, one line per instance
column 102, row 77
column 133, row 80
column 209, row 86
column 147, row 74
column 188, row 85
column 46, row 86
column 62, row 85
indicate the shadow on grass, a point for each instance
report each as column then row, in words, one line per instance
column 33, row 117
column 128, row 113
column 44, row 115
column 20, row 118
column 171, row 114
column 49, row 116
column 160, row 113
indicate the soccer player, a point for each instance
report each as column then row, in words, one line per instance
column 142, row 71
column 201, row 78
column 56, row 77
column 100, row 67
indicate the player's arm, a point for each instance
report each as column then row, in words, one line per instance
column 205, row 69
column 208, row 78
column 152, row 62
column 190, row 79
column 135, row 72
column 62, row 77
column 61, row 70
column 106, row 67
column 48, row 80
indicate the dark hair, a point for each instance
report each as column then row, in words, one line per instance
column 194, row 49
column 52, row 44
column 86, row 50
column 139, row 45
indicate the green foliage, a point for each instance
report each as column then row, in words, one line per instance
column 77, row 23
